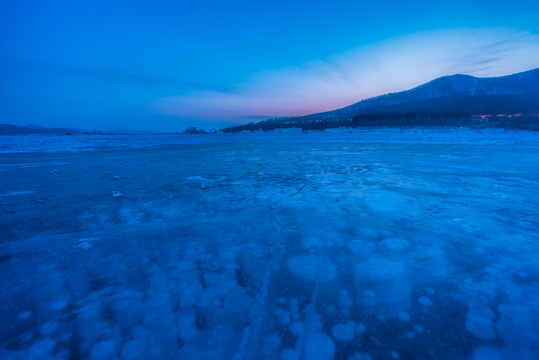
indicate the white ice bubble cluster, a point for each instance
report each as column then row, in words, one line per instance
column 276, row 248
column 312, row 267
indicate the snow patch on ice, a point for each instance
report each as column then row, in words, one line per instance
column 85, row 243
column 205, row 178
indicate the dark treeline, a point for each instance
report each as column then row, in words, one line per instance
column 397, row 120
column 194, row 131
column 405, row 120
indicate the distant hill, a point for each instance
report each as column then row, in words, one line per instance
column 7, row 129
column 455, row 100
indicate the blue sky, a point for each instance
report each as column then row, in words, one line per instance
column 168, row 65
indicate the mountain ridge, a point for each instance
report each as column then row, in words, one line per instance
column 458, row 95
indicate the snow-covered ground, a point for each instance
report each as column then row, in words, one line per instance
column 333, row 245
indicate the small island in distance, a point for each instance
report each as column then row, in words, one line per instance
column 510, row 102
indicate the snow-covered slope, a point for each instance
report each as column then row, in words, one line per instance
column 515, row 90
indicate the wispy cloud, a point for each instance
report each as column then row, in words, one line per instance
column 106, row 76
column 391, row 66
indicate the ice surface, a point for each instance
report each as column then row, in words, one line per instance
column 343, row 332
column 423, row 300
column 16, row 193
column 353, row 245
column 310, row 267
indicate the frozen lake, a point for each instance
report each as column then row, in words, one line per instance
column 356, row 246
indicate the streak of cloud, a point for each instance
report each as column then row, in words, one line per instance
column 391, row 66
column 108, row 75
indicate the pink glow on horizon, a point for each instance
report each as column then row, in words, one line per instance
column 395, row 65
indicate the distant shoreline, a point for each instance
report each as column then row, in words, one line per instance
column 87, row 142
